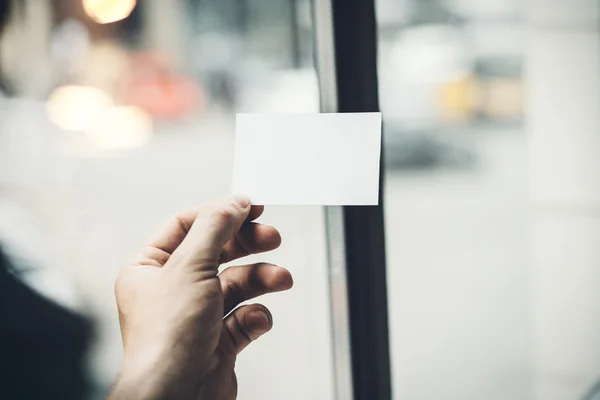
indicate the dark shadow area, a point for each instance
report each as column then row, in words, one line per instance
column 42, row 345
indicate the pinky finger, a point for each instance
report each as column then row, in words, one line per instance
column 245, row 325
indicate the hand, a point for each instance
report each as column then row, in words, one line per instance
column 180, row 335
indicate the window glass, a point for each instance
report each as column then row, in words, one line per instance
column 114, row 118
column 451, row 91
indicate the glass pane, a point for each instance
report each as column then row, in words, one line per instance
column 492, row 197
column 108, row 128
column 451, row 87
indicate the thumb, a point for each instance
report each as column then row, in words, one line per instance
column 210, row 231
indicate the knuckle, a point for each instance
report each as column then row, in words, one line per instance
column 224, row 215
column 254, row 280
column 234, row 292
column 179, row 219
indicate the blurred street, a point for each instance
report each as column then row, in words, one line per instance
column 457, row 250
column 116, row 114
column 459, row 287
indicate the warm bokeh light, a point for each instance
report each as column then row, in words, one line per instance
column 121, row 128
column 77, row 108
column 107, row 11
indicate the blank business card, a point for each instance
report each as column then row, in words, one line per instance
column 308, row 159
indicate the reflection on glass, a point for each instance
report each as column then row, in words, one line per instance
column 451, row 88
column 492, row 224
column 131, row 117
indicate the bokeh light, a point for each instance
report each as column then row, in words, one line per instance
column 77, row 108
column 107, row 11
column 121, row 128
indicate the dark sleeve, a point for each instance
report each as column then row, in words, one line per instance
column 42, row 345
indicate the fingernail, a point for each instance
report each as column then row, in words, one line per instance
column 258, row 321
column 241, row 200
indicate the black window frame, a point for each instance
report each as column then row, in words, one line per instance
column 346, row 62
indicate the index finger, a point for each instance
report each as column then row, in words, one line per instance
column 168, row 238
column 202, row 246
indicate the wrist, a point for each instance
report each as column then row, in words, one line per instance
column 129, row 386
column 151, row 388
column 153, row 382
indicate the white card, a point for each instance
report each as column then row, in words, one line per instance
column 308, row 159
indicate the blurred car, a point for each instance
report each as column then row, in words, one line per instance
column 414, row 66
column 426, row 84
column 151, row 85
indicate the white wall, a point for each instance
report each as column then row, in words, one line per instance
column 563, row 78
